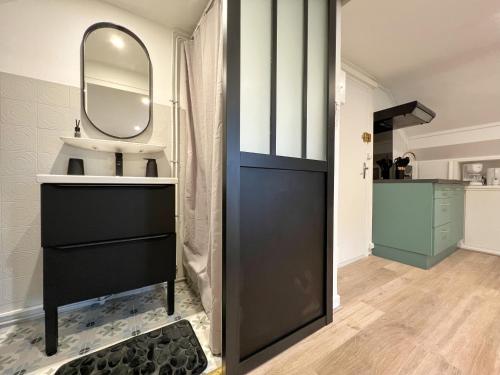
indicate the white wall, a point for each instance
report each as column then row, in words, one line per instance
column 355, row 192
column 481, row 232
column 431, row 169
column 39, row 100
column 382, row 99
column 459, row 136
column 41, row 39
column 434, row 150
column 363, row 97
column 336, row 180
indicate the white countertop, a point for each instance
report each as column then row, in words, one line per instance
column 482, row 188
column 72, row 179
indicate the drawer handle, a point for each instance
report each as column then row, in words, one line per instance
column 444, row 231
column 444, row 204
column 110, row 242
column 149, row 186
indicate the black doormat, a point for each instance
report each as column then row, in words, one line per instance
column 170, row 350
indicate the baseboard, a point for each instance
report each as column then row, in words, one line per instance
column 336, row 301
column 35, row 312
column 464, row 246
column 349, row 261
column 413, row 259
column 18, row 315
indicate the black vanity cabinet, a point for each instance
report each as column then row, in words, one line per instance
column 100, row 239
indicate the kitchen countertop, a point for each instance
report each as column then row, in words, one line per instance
column 423, row 181
column 483, row 188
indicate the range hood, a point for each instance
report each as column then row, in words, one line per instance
column 402, row 116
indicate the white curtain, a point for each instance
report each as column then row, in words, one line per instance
column 202, row 95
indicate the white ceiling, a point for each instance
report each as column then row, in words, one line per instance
column 445, row 53
column 182, row 15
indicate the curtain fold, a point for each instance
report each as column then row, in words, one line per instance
column 202, row 96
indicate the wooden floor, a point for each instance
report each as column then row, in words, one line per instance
column 397, row 319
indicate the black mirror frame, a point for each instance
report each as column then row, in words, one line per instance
column 103, row 25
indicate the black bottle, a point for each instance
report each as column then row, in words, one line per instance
column 151, row 168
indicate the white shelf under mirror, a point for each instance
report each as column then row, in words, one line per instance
column 112, row 146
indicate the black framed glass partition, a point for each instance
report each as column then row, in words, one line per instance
column 284, row 77
column 281, row 60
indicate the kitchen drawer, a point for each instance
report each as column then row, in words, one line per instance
column 442, row 211
column 444, row 192
column 80, row 214
column 77, row 273
column 443, row 238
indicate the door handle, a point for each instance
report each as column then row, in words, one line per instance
column 365, row 168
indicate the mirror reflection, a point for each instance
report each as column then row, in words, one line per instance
column 116, row 81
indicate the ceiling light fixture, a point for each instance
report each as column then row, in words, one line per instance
column 145, row 101
column 117, row 42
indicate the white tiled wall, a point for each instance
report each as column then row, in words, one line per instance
column 33, row 115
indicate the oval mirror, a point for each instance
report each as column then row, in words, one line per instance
column 116, row 81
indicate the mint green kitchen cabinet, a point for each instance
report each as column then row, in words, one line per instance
column 417, row 222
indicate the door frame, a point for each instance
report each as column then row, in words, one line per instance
column 234, row 159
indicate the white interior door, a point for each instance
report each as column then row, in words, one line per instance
column 355, row 186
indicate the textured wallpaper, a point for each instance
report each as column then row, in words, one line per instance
column 33, row 115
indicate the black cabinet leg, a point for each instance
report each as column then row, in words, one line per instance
column 51, row 330
column 170, row 297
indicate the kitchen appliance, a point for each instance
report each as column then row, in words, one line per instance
column 409, row 167
column 385, row 168
column 402, row 116
column 390, row 119
column 401, row 164
column 473, row 173
column 408, row 172
column 493, row 176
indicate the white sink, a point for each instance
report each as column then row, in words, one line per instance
column 72, row 179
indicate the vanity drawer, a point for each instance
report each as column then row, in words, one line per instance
column 80, row 214
column 77, row 273
column 442, row 211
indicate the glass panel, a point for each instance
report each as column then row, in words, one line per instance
column 289, row 78
column 317, row 79
column 256, row 33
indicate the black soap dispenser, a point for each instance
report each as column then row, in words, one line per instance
column 151, row 168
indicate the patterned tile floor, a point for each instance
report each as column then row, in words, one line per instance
column 98, row 326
